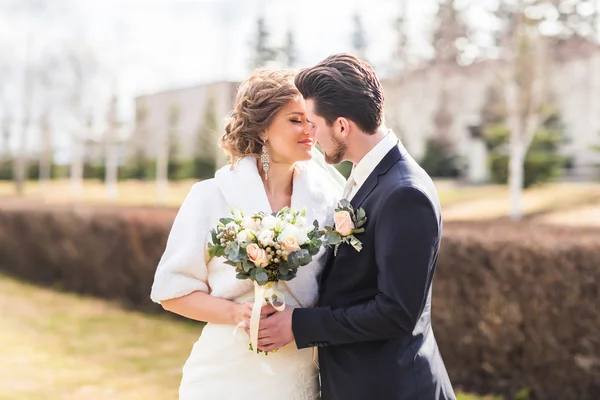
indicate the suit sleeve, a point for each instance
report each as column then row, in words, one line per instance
column 406, row 239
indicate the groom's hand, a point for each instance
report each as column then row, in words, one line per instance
column 275, row 331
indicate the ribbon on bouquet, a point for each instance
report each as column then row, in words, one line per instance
column 262, row 295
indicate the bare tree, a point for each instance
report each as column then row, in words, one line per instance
column 20, row 169
column 79, row 146
column 48, row 97
column 82, row 68
column 524, row 48
column 5, row 153
column 400, row 57
column 6, row 134
column 46, row 154
column 523, row 78
column 449, row 30
column 111, row 146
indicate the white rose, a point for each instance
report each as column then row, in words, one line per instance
column 246, row 236
column 249, row 223
column 292, row 232
column 300, row 222
column 269, row 222
column 265, row 237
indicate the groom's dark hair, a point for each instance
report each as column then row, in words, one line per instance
column 344, row 86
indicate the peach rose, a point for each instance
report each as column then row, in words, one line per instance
column 257, row 255
column 290, row 244
column 343, row 223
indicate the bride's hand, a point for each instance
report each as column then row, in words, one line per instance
column 244, row 312
column 268, row 310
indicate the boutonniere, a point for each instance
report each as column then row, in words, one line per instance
column 347, row 223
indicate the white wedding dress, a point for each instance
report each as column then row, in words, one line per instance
column 220, row 365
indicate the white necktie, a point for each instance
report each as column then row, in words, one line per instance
column 348, row 188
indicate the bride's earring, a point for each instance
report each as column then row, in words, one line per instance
column 265, row 159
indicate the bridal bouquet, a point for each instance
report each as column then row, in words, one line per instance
column 265, row 248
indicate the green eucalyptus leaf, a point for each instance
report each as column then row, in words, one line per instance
column 292, row 260
column 332, row 238
column 247, row 265
column 360, row 214
column 262, row 277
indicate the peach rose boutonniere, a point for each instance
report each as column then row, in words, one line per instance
column 347, row 223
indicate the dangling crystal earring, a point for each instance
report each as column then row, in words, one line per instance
column 265, row 159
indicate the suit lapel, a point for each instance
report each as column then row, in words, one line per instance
column 391, row 158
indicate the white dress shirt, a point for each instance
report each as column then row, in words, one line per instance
column 363, row 169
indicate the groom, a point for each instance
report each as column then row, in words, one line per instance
column 373, row 321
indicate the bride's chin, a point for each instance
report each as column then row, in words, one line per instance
column 306, row 157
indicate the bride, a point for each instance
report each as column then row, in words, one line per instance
column 273, row 165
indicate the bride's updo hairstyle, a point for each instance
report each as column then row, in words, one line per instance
column 257, row 102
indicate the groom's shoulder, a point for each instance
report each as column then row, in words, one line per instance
column 408, row 180
column 406, row 174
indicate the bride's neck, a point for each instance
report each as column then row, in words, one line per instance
column 279, row 182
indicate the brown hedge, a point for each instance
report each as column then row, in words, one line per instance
column 516, row 309
column 515, row 305
column 104, row 251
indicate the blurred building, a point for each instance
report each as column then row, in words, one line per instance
column 192, row 118
column 442, row 99
column 450, row 100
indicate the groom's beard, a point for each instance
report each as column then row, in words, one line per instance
column 337, row 156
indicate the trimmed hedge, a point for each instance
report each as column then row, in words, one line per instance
column 516, row 306
column 103, row 251
column 517, row 309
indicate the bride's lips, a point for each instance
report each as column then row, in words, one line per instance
column 307, row 142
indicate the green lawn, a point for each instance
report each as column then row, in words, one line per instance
column 60, row 346
column 63, row 346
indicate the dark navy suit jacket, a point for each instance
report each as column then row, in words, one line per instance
column 373, row 321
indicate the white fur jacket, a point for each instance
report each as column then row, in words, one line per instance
column 185, row 266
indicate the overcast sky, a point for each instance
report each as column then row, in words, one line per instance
column 149, row 45
column 145, row 46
